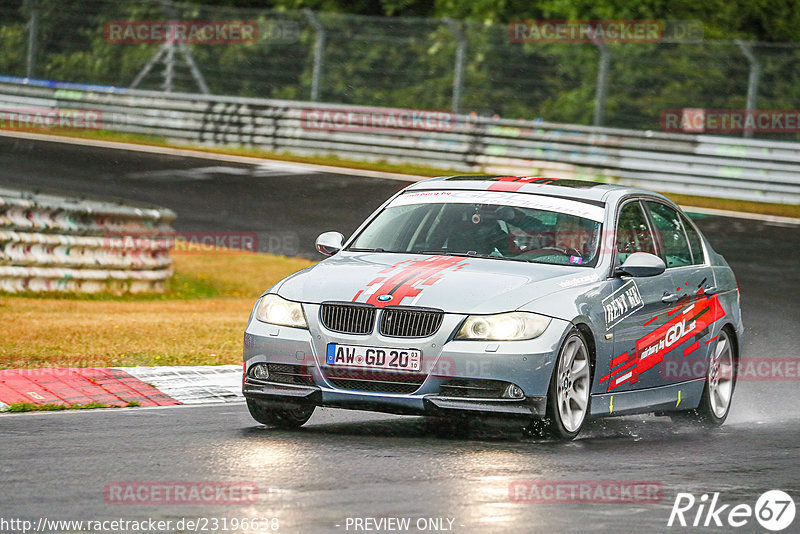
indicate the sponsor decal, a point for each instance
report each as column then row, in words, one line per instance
column 622, row 303
column 578, row 280
column 688, row 322
column 407, row 279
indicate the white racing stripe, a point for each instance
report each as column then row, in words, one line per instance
column 199, row 384
column 519, row 200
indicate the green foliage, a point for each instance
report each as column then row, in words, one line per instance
column 18, row 407
column 385, row 57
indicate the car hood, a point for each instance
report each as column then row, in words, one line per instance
column 450, row 283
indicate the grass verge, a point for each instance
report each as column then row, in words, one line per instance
column 748, row 206
column 199, row 321
column 18, row 407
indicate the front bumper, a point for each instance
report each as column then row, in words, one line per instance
column 287, row 396
column 526, row 364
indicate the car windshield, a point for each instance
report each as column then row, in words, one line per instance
column 501, row 225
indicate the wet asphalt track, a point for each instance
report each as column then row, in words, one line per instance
column 348, row 464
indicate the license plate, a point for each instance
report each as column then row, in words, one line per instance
column 373, row 357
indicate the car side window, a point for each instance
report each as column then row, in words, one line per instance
column 695, row 242
column 633, row 233
column 669, row 227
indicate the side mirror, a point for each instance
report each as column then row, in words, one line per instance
column 329, row 243
column 642, row 264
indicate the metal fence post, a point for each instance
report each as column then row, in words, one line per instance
column 752, row 79
column 602, row 84
column 458, row 72
column 319, row 53
column 33, row 30
column 169, row 67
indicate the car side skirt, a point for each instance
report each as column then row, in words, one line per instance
column 672, row 397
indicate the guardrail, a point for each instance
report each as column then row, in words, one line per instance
column 713, row 166
column 51, row 243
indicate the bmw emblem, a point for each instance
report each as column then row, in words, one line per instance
column 384, row 298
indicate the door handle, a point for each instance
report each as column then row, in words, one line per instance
column 710, row 290
column 669, row 298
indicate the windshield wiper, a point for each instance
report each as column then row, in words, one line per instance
column 448, row 253
column 473, row 255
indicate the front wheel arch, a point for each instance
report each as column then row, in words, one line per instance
column 552, row 423
column 588, row 336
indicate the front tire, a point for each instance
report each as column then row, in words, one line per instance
column 568, row 399
column 291, row 418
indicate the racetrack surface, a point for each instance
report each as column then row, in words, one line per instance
column 357, row 464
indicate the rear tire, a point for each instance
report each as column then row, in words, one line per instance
column 715, row 403
column 291, row 418
column 569, row 399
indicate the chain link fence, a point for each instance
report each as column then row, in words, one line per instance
column 398, row 62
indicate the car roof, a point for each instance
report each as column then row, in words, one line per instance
column 595, row 192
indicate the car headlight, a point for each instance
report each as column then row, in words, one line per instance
column 273, row 309
column 512, row 326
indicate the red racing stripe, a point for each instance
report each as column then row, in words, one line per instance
column 409, row 276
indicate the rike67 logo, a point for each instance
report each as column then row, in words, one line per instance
column 774, row 510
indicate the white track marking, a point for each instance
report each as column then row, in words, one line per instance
column 311, row 168
column 200, row 384
column 305, row 168
column 743, row 215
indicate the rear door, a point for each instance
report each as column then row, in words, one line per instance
column 682, row 335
